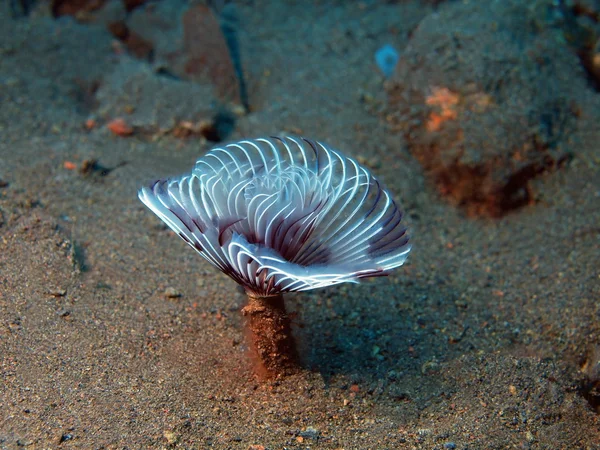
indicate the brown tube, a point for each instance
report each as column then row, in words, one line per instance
column 270, row 336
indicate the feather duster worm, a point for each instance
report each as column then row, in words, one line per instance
column 278, row 215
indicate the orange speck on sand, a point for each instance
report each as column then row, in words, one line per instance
column 435, row 121
column 445, row 102
column 354, row 388
column 443, row 97
column 90, row 124
column 69, row 165
column 120, row 127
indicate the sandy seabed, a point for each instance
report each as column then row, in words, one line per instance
column 113, row 334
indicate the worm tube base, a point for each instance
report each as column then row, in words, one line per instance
column 270, row 336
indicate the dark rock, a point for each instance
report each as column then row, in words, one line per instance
column 486, row 95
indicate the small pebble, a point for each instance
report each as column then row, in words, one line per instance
column 120, row 127
column 170, row 437
column 66, row 437
column 171, row 292
column 57, row 292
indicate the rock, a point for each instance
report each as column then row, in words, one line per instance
column 206, row 53
column 188, row 42
column 486, row 102
column 310, row 433
column 150, row 102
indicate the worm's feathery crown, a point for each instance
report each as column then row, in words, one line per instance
column 283, row 214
